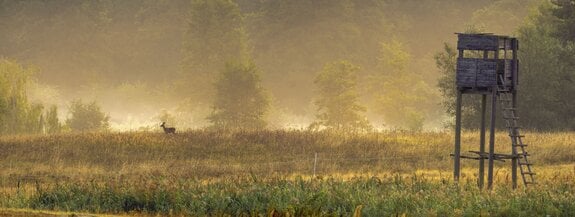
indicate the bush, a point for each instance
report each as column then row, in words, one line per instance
column 87, row 117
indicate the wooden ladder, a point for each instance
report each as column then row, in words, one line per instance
column 511, row 122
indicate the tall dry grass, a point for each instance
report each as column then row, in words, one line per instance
column 61, row 171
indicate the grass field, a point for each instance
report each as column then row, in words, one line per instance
column 260, row 173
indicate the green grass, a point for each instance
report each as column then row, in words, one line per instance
column 265, row 172
column 397, row 195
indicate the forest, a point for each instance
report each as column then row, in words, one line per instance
column 363, row 64
column 282, row 108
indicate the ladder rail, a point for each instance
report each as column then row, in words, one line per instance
column 512, row 124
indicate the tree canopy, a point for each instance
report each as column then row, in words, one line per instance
column 17, row 114
column 337, row 98
column 87, row 117
column 214, row 35
column 240, row 101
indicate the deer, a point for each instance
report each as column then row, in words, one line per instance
column 167, row 130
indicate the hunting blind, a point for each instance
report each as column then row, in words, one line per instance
column 487, row 65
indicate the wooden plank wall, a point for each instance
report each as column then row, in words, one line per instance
column 477, row 42
column 476, row 72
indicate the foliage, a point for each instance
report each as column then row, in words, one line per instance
column 53, row 125
column 240, row 101
column 177, row 47
column 17, row 115
column 95, row 41
column 564, row 20
column 35, row 119
column 337, row 101
column 564, row 13
column 446, row 62
column 402, row 97
column 214, row 36
column 85, row 117
column 375, row 196
column 503, row 16
column 540, row 99
column 292, row 40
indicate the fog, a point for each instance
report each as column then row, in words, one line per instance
column 128, row 55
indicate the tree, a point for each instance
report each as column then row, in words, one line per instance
column 325, row 31
column 564, row 14
column 240, row 100
column 52, row 123
column 446, row 62
column 547, row 64
column 114, row 41
column 400, row 95
column 337, row 102
column 499, row 16
column 34, row 121
column 17, row 115
column 86, row 117
column 214, row 36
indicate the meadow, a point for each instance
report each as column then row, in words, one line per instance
column 271, row 173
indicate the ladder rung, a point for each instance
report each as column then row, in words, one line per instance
column 509, row 114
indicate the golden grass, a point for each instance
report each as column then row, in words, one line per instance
column 211, row 158
column 203, row 154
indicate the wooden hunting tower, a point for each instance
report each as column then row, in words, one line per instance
column 481, row 74
column 488, row 65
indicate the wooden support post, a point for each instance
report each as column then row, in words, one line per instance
column 481, row 177
column 492, row 138
column 514, row 161
column 482, row 141
column 457, row 152
column 515, row 45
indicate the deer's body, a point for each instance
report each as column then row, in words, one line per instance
column 167, row 130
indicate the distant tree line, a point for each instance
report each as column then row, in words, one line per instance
column 19, row 116
column 343, row 60
column 216, row 37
